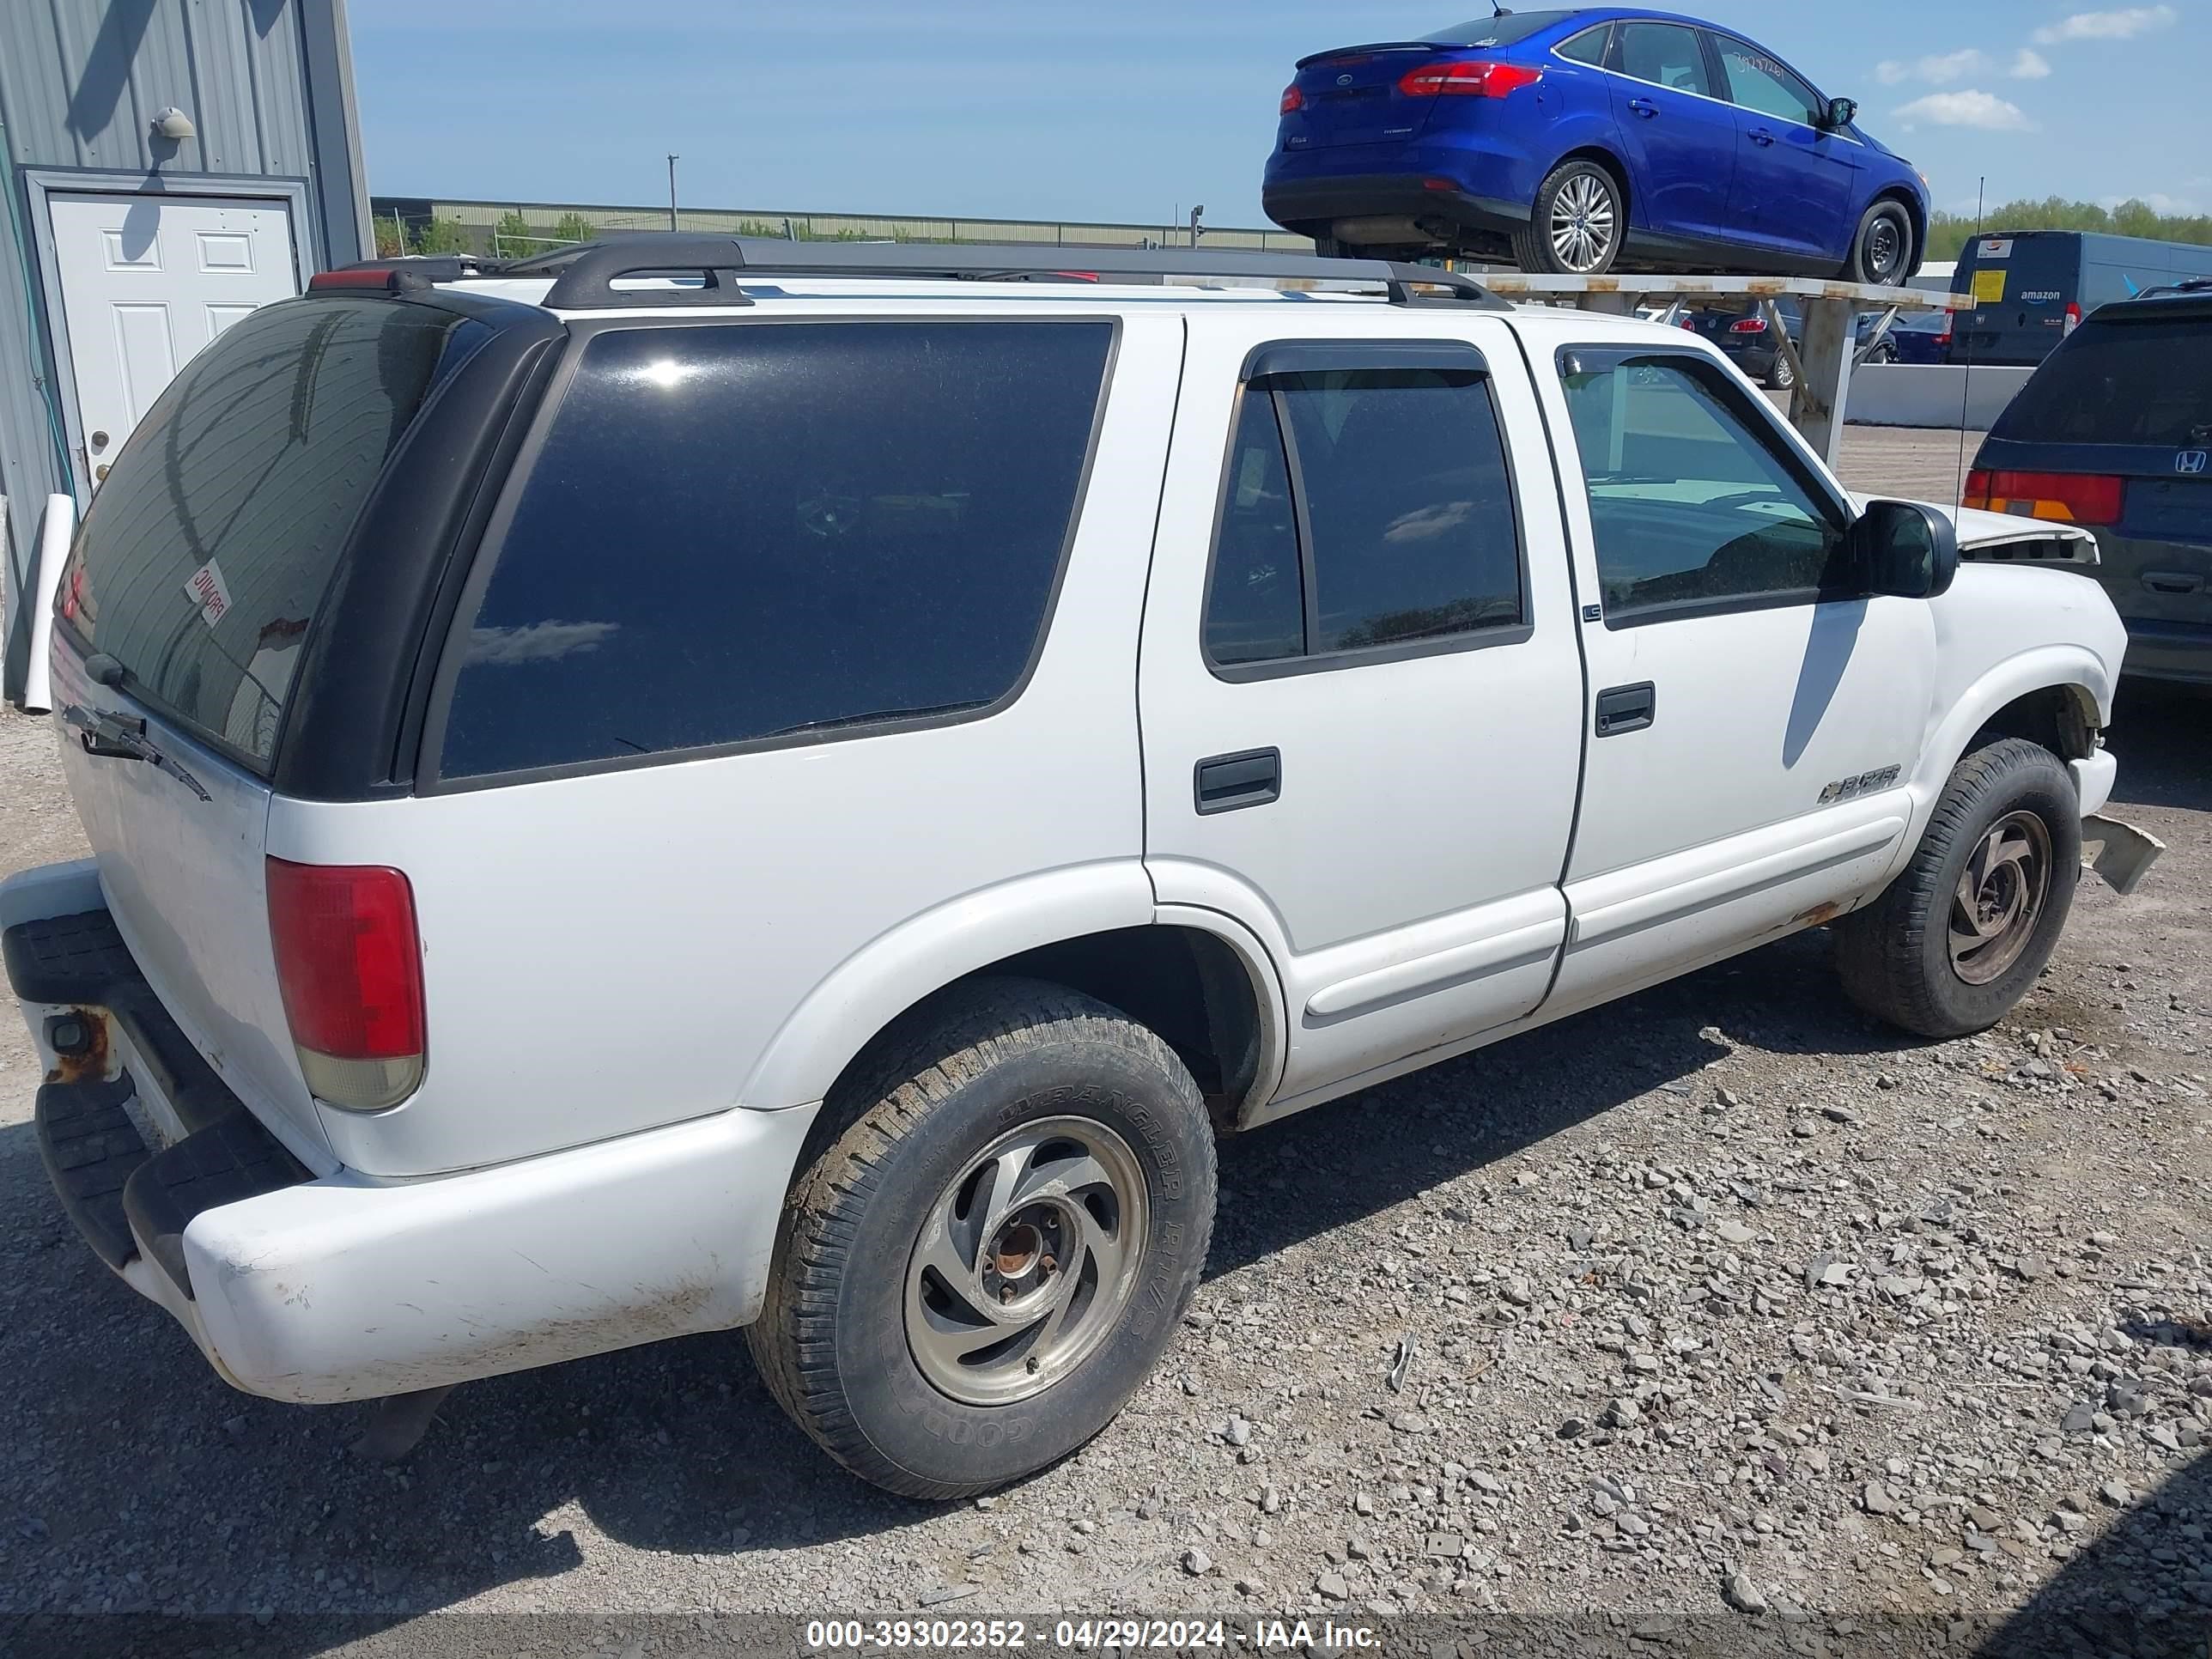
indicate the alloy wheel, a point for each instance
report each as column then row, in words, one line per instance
column 1999, row 897
column 1583, row 222
column 1026, row 1261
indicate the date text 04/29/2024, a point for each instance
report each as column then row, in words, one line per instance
column 839, row 1636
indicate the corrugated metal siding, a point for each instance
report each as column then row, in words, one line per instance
column 81, row 81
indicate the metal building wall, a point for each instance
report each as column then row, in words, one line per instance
column 267, row 83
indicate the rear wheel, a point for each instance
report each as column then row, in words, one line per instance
column 995, row 1247
column 1957, row 939
column 1781, row 377
column 1881, row 252
column 1576, row 223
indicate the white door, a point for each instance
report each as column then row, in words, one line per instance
column 1754, row 713
column 146, row 282
column 1359, row 693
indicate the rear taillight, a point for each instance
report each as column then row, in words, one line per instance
column 1465, row 80
column 1748, row 325
column 350, row 963
column 1293, row 98
column 2069, row 497
column 1944, row 338
column 2073, row 317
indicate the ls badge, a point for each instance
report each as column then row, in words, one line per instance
column 1866, row 783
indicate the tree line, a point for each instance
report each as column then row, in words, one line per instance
column 1949, row 233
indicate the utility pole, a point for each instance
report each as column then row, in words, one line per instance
column 671, row 192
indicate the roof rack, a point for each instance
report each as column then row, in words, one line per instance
column 585, row 276
column 2188, row 285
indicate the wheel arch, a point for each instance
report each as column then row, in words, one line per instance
column 1916, row 217
column 1612, row 163
column 2057, row 695
column 1198, row 980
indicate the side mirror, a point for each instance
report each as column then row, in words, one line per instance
column 1840, row 112
column 1904, row 551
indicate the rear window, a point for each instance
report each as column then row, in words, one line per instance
column 773, row 532
column 2140, row 381
column 206, row 551
column 1502, row 30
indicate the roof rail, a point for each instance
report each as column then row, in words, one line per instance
column 585, row 276
column 2187, row 285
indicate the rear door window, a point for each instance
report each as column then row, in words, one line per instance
column 1366, row 510
column 1587, row 47
column 1664, row 54
column 205, row 554
column 775, row 532
column 2132, row 381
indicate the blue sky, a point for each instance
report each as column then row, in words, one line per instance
column 1136, row 110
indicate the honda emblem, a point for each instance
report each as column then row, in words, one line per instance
column 2190, row 461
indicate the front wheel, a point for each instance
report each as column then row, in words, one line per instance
column 1957, row 939
column 977, row 1272
column 1576, row 224
column 1881, row 252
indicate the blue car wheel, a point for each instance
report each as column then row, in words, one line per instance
column 1575, row 224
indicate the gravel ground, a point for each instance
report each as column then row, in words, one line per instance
column 1722, row 1303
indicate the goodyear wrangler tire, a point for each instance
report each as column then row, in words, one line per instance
column 993, row 1235
column 1957, row 939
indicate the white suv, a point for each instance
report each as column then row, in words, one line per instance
column 703, row 784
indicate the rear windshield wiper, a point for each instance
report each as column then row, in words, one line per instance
column 119, row 739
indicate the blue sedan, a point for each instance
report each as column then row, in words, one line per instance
column 1578, row 141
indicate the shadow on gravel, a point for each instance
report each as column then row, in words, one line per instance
column 1338, row 1163
column 2140, row 1590
column 2163, row 737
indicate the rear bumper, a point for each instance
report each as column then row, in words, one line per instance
column 344, row 1287
column 1310, row 204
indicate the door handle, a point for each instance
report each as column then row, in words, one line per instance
column 1761, row 136
column 1626, row 709
column 1252, row 777
column 1643, row 106
column 2172, row 581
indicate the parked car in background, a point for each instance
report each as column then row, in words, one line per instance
column 2114, row 431
column 1576, row 141
column 2033, row 288
column 1741, row 330
column 1913, row 337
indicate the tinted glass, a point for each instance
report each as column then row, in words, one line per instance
column 2137, row 381
column 751, row 532
column 1587, row 47
column 1501, row 31
column 1405, row 498
column 1758, row 82
column 1692, row 503
column 1665, row 54
column 1256, row 609
column 204, row 554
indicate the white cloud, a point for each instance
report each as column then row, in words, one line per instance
column 1970, row 108
column 2121, row 25
column 1942, row 68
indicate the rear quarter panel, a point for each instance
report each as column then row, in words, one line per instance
column 610, row 952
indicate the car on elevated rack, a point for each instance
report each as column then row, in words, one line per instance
column 607, row 827
column 1578, row 141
